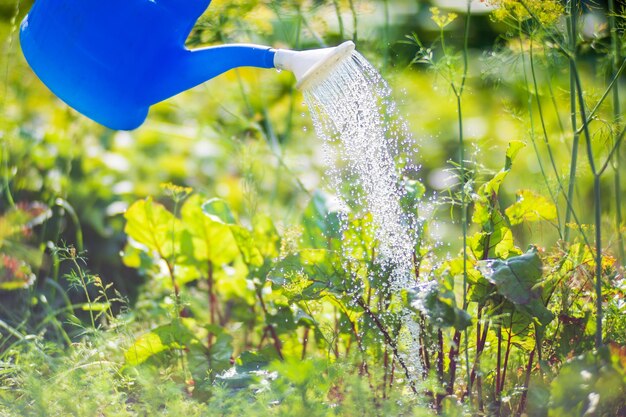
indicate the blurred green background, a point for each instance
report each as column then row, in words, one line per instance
column 246, row 136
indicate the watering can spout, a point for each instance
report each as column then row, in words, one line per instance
column 193, row 67
column 197, row 66
column 312, row 65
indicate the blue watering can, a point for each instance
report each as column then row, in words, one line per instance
column 112, row 59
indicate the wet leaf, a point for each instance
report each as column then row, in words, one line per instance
column 440, row 307
column 515, row 278
column 321, row 223
column 310, row 272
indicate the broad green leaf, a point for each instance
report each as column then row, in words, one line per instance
column 486, row 199
column 219, row 211
column 481, row 290
column 210, row 238
column 358, row 238
column 221, row 350
column 321, row 223
column 511, row 152
column 310, row 272
column 167, row 337
column 495, row 241
column 150, row 224
column 282, row 319
column 135, row 256
column 249, row 251
column 530, row 207
column 515, row 278
column 249, row 367
column 518, row 326
column 536, row 309
column 440, row 308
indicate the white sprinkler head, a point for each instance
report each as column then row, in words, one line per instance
column 312, row 65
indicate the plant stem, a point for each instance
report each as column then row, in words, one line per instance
column 463, row 193
column 529, row 368
column 615, row 43
column 339, row 18
column 532, row 119
column 453, row 358
column 211, row 302
column 386, row 35
column 389, row 341
column 477, row 372
column 545, row 131
column 506, row 360
column 572, row 26
column 597, row 211
column 83, row 282
column 439, row 397
column 270, row 328
column 498, row 368
column 354, row 21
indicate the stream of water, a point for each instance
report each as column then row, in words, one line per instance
column 370, row 152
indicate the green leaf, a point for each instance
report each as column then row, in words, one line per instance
column 251, row 254
column 511, row 152
column 219, row 211
column 321, row 223
column 530, row 207
column 538, row 310
column 495, row 241
column 305, row 275
column 211, row 238
column 515, row 278
column 440, row 308
column 163, row 338
column 221, row 351
column 358, row 239
column 487, row 196
column 150, row 224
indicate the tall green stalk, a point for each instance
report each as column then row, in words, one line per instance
column 464, row 204
column 545, row 134
column 531, row 118
column 597, row 210
column 572, row 13
column 5, row 187
column 615, row 44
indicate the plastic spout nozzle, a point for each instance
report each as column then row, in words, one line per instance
column 313, row 65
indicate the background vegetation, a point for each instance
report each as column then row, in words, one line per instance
column 194, row 266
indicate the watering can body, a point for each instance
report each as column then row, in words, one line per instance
column 112, row 59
